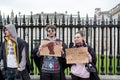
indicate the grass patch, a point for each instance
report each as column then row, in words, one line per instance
column 106, row 64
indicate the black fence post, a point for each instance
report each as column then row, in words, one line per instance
column 94, row 28
column 97, row 33
column 40, row 25
column 107, row 37
column 102, row 46
column 118, row 46
column 110, row 55
column 63, row 27
column 31, row 26
column 94, row 38
column 71, row 26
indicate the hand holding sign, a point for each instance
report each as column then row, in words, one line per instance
column 50, row 48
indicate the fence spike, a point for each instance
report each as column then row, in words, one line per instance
column 47, row 20
column 55, row 19
column 1, row 21
column 71, row 20
column 31, row 18
column 39, row 20
column 16, row 20
column 87, row 19
column 79, row 20
column 24, row 19
column 8, row 20
column 111, row 20
column 63, row 19
column 95, row 19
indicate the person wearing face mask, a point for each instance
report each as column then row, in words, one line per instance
column 50, row 67
column 85, row 71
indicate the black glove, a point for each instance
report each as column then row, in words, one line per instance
column 90, row 67
column 3, row 71
column 18, row 74
column 63, row 54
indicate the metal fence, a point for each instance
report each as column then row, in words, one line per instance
column 102, row 34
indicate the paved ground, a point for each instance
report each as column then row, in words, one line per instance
column 102, row 77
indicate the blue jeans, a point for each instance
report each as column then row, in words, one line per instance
column 12, row 75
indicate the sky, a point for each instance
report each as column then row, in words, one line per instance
column 59, row 6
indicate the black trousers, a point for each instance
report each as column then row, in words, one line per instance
column 1, row 76
column 78, row 78
column 50, row 76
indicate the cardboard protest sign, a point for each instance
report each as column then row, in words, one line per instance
column 77, row 55
column 51, row 48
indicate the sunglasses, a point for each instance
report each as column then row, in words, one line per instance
column 76, row 37
column 51, row 30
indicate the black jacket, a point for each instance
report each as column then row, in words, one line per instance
column 21, row 44
column 1, row 76
column 39, row 61
column 91, row 66
column 92, row 69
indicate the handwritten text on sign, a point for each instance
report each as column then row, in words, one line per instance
column 77, row 55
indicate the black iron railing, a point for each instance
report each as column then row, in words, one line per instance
column 101, row 34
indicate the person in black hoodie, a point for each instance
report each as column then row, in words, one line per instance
column 14, row 56
column 85, row 71
column 50, row 67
